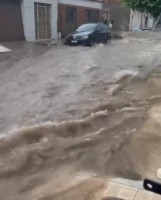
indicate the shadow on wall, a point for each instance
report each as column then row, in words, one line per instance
column 68, row 28
column 121, row 17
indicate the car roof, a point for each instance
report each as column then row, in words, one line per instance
column 99, row 23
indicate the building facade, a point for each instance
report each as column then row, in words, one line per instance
column 39, row 19
column 120, row 15
column 73, row 13
column 28, row 19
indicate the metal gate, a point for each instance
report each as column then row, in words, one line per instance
column 42, row 21
column 11, row 26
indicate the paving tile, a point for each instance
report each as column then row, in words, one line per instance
column 127, row 186
column 126, row 190
column 148, row 193
column 119, row 191
column 136, row 184
column 146, row 196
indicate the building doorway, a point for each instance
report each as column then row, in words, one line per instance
column 42, row 21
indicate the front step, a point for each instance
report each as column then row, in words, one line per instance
column 46, row 42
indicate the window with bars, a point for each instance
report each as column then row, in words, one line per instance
column 71, row 14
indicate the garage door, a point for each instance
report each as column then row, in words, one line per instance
column 11, row 27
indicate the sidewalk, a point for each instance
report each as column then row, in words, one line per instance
column 125, row 190
column 84, row 186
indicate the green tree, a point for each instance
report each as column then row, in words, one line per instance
column 149, row 6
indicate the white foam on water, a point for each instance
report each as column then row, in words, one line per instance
column 119, row 76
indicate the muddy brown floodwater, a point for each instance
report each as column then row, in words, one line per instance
column 107, row 125
column 120, row 138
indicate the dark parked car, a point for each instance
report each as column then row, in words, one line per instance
column 89, row 34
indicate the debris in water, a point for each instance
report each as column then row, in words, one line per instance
column 4, row 49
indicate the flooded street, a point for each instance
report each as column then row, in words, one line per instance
column 39, row 84
column 70, row 116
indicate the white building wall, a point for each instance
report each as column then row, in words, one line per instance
column 28, row 16
column 137, row 19
column 151, row 22
column 83, row 3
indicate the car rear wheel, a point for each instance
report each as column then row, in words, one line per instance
column 106, row 41
column 90, row 43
